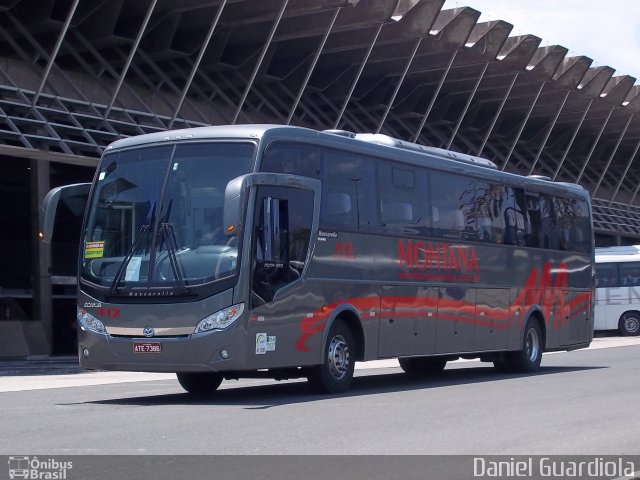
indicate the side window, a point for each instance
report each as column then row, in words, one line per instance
column 606, row 275
column 349, row 190
column 295, row 158
column 400, row 205
column 630, row 274
column 574, row 225
column 550, row 237
column 534, row 214
column 452, row 198
column 516, row 218
column 483, row 206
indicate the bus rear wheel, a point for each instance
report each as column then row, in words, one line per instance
column 335, row 373
column 629, row 324
column 422, row 365
column 200, row 383
column 527, row 359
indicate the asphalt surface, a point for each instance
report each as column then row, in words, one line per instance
column 582, row 402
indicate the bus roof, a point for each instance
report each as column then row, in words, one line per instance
column 618, row 254
column 374, row 144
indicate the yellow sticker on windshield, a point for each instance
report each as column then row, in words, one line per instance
column 94, row 249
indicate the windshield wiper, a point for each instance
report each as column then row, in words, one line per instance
column 143, row 231
column 169, row 238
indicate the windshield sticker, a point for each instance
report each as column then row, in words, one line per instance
column 271, row 343
column 94, row 249
column 133, row 270
column 261, row 343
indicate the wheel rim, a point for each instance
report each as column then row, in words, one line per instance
column 631, row 324
column 532, row 345
column 339, row 357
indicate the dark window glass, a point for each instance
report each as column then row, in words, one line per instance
column 282, row 236
column 581, row 237
column 606, row 275
column 349, row 190
column 534, row 215
column 452, row 197
column 468, row 208
column 401, row 206
column 630, row 274
column 296, row 158
column 550, row 234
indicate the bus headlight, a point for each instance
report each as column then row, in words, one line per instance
column 89, row 322
column 220, row 320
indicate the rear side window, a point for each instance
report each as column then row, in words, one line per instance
column 606, row 275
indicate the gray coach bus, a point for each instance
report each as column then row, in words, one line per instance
column 257, row 250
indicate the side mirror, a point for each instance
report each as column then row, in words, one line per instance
column 235, row 199
column 73, row 196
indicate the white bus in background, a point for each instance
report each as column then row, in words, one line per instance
column 618, row 289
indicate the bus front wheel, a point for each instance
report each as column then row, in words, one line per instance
column 629, row 324
column 200, row 383
column 335, row 374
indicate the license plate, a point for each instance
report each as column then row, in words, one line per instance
column 147, row 347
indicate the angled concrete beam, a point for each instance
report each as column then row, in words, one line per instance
column 595, row 81
column 571, row 72
column 632, row 102
column 517, row 52
column 434, row 97
column 488, row 38
column 415, row 23
column 398, row 85
column 549, row 129
column 495, row 118
column 196, row 65
column 546, row 61
column 466, row 106
column 312, row 67
column 524, row 123
column 573, row 138
column 623, row 176
column 355, row 81
column 613, row 153
column 132, row 53
column 617, row 89
column 54, row 54
column 263, row 53
column 595, row 144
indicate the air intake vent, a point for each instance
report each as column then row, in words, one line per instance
column 342, row 133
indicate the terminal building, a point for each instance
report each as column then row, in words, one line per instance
column 76, row 75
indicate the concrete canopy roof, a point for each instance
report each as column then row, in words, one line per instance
column 78, row 74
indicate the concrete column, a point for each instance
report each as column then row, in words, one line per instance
column 40, row 259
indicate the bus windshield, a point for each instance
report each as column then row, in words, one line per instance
column 155, row 217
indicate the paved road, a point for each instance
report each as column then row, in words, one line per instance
column 582, row 402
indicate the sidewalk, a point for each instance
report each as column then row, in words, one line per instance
column 40, row 366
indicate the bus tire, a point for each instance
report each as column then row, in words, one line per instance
column 528, row 359
column 629, row 324
column 335, row 373
column 422, row 366
column 200, row 383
